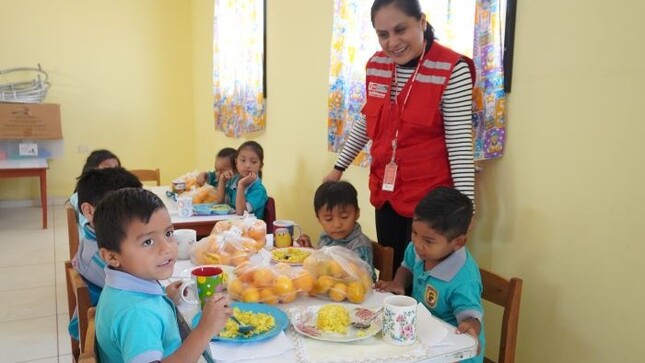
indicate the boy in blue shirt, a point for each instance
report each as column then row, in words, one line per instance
column 443, row 274
column 91, row 187
column 135, row 320
column 336, row 207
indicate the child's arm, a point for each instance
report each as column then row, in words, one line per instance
column 402, row 279
column 240, row 198
column 214, row 315
column 221, row 186
column 201, row 178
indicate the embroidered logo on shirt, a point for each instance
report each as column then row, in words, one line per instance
column 376, row 90
column 431, row 296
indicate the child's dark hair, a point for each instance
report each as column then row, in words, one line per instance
column 94, row 184
column 230, row 154
column 335, row 193
column 116, row 212
column 257, row 148
column 446, row 210
column 409, row 8
column 96, row 157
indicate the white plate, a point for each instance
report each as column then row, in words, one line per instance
column 304, row 322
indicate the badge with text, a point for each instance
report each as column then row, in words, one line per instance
column 376, row 90
column 389, row 177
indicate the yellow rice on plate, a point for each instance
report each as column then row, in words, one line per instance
column 261, row 323
column 333, row 318
column 290, row 255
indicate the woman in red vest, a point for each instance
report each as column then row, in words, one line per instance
column 418, row 115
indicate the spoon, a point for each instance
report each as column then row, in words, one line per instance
column 242, row 328
column 366, row 323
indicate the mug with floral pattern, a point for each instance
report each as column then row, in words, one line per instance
column 399, row 320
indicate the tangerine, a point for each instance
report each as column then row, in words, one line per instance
column 283, row 286
column 355, row 292
column 304, row 282
column 251, row 294
column 235, row 288
column 323, row 284
column 338, row 292
column 263, row 277
column 268, row 297
column 334, row 269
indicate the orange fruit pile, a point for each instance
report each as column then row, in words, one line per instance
column 269, row 285
column 338, row 283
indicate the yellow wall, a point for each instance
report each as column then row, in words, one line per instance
column 562, row 209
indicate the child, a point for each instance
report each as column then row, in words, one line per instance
column 98, row 159
column 336, row 207
column 244, row 191
column 135, row 319
column 443, row 274
column 225, row 160
column 92, row 186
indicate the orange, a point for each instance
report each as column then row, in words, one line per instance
column 263, row 277
column 334, row 269
column 338, row 292
column 251, row 294
column 366, row 280
column 268, row 297
column 287, row 298
column 235, row 288
column 283, row 268
column 304, row 282
column 355, row 292
column 283, row 286
column 323, row 284
column 239, row 257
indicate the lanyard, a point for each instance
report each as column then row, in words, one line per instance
column 405, row 100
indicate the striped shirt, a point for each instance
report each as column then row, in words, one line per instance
column 456, row 106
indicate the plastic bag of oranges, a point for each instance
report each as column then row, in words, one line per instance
column 228, row 248
column 339, row 274
column 266, row 283
column 185, row 183
column 248, row 226
column 204, row 194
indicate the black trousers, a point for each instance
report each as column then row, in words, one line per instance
column 394, row 230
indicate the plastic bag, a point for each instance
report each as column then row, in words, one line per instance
column 204, row 194
column 228, row 248
column 260, row 281
column 185, row 183
column 339, row 274
column 248, row 226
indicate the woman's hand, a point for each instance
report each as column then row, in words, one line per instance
column 334, row 175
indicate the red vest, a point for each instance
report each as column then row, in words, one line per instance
column 421, row 153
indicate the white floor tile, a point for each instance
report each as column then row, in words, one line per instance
column 37, row 302
column 24, row 277
column 29, row 247
column 64, row 343
column 67, row 358
column 28, row 340
column 44, row 360
column 61, row 299
column 23, row 218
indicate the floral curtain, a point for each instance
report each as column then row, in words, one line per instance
column 238, row 71
column 461, row 25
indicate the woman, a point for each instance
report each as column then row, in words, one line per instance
column 418, row 114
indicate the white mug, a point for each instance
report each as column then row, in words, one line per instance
column 185, row 206
column 185, row 239
column 399, row 320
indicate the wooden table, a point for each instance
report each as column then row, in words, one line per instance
column 202, row 224
column 28, row 168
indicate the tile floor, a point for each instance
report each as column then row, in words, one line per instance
column 33, row 312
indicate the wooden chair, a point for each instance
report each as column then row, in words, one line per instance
column 383, row 259
column 145, row 175
column 269, row 214
column 78, row 295
column 89, row 353
column 72, row 230
column 507, row 294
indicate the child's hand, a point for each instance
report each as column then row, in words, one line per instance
column 172, row 291
column 247, row 180
column 200, row 180
column 304, row 241
column 470, row 326
column 389, row 286
column 225, row 176
column 215, row 313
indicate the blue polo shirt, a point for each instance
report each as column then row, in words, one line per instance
column 451, row 290
column 256, row 196
column 135, row 320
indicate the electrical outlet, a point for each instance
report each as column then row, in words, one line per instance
column 82, row 149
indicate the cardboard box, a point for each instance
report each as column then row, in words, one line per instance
column 30, row 121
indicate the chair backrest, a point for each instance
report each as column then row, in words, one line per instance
column 383, row 259
column 145, row 175
column 89, row 353
column 269, row 214
column 72, row 230
column 507, row 294
column 78, row 298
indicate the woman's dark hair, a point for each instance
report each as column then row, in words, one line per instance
column 230, row 154
column 409, row 8
column 446, row 210
column 257, row 148
column 96, row 157
column 335, row 193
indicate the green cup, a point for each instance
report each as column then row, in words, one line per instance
column 206, row 282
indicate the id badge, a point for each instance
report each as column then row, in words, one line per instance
column 389, row 177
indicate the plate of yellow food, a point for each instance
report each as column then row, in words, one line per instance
column 291, row 255
column 267, row 321
column 332, row 322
